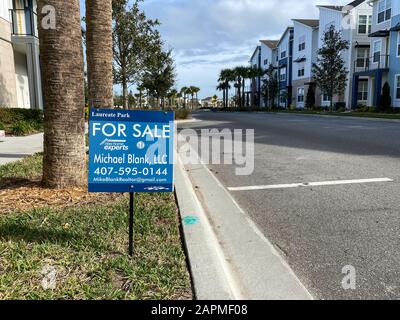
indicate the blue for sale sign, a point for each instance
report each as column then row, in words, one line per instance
column 131, row 151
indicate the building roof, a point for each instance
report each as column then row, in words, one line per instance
column 337, row 8
column 284, row 34
column 308, row 22
column 353, row 4
column 270, row 43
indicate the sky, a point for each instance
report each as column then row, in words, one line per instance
column 209, row 35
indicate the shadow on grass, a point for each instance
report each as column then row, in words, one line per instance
column 19, row 232
column 16, row 183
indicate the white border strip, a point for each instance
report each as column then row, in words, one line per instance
column 311, row 184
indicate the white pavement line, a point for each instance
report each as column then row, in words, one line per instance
column 290, row 286
column 310, row 184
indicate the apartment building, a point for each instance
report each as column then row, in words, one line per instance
column 285, row 64
column 305, row 46
column 20, row 82
column 354, row 21
column 383, row 63
column 264, row 55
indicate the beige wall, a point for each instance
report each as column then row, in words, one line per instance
column 8, row 96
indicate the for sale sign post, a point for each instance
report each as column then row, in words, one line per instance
column 131, row 151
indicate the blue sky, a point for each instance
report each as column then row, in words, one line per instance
column 209, row 35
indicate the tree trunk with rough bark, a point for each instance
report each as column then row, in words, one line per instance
column 64, row 161
column 99, row 52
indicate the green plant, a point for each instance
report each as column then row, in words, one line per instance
column 386, row 98
column 21, row 128
column 2, row 127
column 181, row 114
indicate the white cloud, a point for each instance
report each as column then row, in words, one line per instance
column 208, row 35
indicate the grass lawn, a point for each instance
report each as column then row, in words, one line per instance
column 85, row 247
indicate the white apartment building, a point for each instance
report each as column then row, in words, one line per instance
column 20, row 81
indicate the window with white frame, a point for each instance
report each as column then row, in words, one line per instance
column 398, row 87
column 398, row 44
column 377, row 50
column 362, row 57
column 325, row 98
column 301, row 70
column 265, row 62
column 283, row 97
column 302, row 43
column 282, row 74
column 328, row 31
column 283, row 53
column 364, row 24
column 363, row 90
column 384, row 10
column 300, row 95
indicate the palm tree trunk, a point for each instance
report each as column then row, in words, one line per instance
column 99, row 52
column 64, row 161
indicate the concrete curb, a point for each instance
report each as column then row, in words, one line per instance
column 208, row 277
column 228, row 255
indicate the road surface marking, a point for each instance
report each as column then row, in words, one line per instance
column 310, row 184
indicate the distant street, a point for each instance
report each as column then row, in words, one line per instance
column 321, row 228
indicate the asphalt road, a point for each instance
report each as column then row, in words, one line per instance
column 321, row 229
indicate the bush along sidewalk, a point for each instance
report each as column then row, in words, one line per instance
column 77, row 248
column 366, row 112
column 20, row 122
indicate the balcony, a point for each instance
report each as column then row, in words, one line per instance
column 376, row 62
column 23, row 22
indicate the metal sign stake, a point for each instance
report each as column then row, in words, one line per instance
column 131, row 221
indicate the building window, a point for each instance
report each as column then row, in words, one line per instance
column 328, row 31
column 302, row 43
column 364, row 24
column 300, row 71
column 377, row 50
column 398, row 87
column 300, row 95
column 325, row 98
column 398, row 45
column 362, row 57
column 384, row 10
column 283, row 98
column 363, row 90
column 265, row 62
column 283, row 54
column 282, row 74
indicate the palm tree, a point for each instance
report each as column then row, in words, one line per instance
column 224, row 86
column 172, row 96
column 253, row 74
column 183, row 92
column 226, row 76
column 99, row 52
column 64, row 161
column 194, row 92
column 188, row 92
column 240, row 75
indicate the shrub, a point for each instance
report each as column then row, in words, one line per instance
column 372, row 109
column 386, row 98
column 11, row 118
column 21, row 128
column 181, row 114
column 2, row 127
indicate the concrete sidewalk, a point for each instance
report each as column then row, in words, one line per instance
column 17, row 148
column 229, row 257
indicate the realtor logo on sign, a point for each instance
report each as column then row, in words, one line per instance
column 131, row 151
